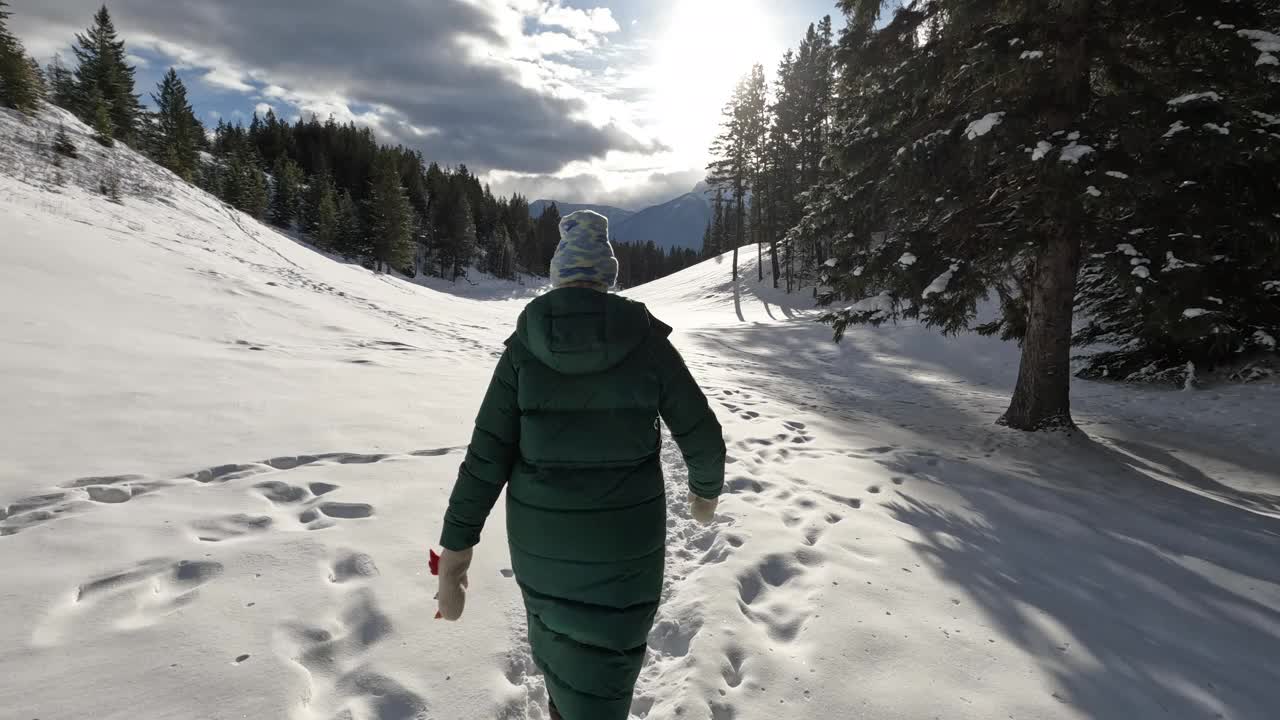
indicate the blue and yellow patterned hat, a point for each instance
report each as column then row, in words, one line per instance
column 584, row 254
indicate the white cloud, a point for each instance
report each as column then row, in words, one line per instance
column 137, row 61
column 227, row 79
column 263, row 108
column 581, row 23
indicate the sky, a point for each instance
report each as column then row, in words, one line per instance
column 578, row 101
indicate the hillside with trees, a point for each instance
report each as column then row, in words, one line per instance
column 1102, row 174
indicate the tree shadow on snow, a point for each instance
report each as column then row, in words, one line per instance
column 1165, row 602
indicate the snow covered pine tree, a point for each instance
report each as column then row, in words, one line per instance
column 982, row 153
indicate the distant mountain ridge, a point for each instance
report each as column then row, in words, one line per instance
column 677, row 223
column 615, row 215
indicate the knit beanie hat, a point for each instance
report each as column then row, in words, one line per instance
column 584, row 254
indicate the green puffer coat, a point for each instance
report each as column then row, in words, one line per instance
column 570, row 426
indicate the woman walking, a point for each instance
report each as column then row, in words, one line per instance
column 570, row 426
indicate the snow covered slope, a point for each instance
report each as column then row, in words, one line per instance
column 223, row 455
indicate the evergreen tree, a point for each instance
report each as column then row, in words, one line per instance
column 458, row 246
column 62, row 144
column 1130, row 133
column 104, row 70
column 104, row 130
column 320, row 185
column 178, row 133
column 20, row 88
column 546, row 237
column 327, row 227
column 244, row 185
column 287, row 198
column 350, row 227
column 738, row 150
column 210, row 178
column 62, row 85
column 390, row 218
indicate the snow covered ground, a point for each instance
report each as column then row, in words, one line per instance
column 223, row 456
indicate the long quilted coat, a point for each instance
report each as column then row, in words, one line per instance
column 570, row 426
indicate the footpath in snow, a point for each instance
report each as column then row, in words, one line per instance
column 223, row 457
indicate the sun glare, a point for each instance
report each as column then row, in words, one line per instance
column 705, row 47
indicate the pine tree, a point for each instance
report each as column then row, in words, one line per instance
column 62, row 85
column 327, row 228
column 210, row 178
column 459, row 245
column 178, row 133
column 62, row 144
column 350, row 227
column 1073, row 132
column 244, row 185
column 546, row 237
column 738, row 150
column 287, row 198
column 19, row 86
column 103, row 68
column 390, row 218
column 104, row 130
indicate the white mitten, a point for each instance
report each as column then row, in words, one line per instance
column 452, row 595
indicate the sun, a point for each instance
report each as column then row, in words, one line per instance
column 704, row 48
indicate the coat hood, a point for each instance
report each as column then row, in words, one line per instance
column 579, row 331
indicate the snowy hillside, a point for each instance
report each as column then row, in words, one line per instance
column 224, row 455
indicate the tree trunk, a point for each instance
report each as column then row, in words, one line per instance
column 1042, row 398
column 740, row 231
column 777, row 270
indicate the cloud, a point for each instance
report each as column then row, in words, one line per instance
column 580, row 23
column 136, row 61
column 495, row 84
column 226, row 79
column 632, row 190
column 263, row 108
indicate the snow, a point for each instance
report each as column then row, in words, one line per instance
column 1142, row 271
column 907, row 259
column 1192, row 313
column 1220, row 129
column 1266, row 118
column 1032, row 54
column 1265, row 339
column 1265, row 43
column 1173, row 263
column 1075, row 152
column 984, row 125
column 1175, row 128
column 1117, row 175
column 224, row 455
column 1127, row 249
column 1093, row 191
column 941, row 283
column 1194, row 97
column 1042, row 148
